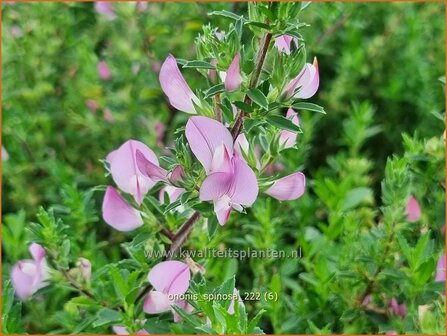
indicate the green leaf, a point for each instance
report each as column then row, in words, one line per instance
column 309, row 107
column 226, row 14
column 283, row 123
column 192, row 320
column 212, row 226
column 198, row 65
column 106, row 316
column 259, row 24
column 255, row 321
column 355, row 197
column 244, row 106
column 214, row 90
column 258, row 97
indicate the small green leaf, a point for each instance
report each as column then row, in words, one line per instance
column 226, row 14
column 198, row 65
column 283, row 123
column 212, row 226
column 259, row 24
column 244, row 106
column 214, row 90
column 106, row 316
column 258, row 97
column 309, row 107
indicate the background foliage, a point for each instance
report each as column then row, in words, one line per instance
column 380, row 70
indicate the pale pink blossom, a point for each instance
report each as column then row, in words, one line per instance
column 440, row 269
column 413, row 210
column 231, row 183
column 287, row 138
column 288, row 188
column 105, row 9
column 306, row 84
column 233, row 79
column 104, row 71
column 284, row 43
column 28, row 276
column 175, row 87
column 118, row 213
column 124, row 170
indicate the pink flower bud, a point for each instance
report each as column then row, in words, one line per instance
column 104, row 71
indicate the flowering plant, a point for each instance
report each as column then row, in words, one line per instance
column 235, row 174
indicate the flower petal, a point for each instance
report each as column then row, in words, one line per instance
column 287, row 138
column 173, row 193
column 310, row 88
column 204, row 136
column 120, row 330
column 233, row 77
column 241, row 145
column 118, row 213
column 215, row 186
column 299, row 81
column 23, row 276
column 413, row 210
column 283, row 43
column 175, row 87
column 221, row 162
column 440, row 269
column 222, row 208
column 156, row 302
column 244, row 189
column 149, row 169
column 170, row 277
column 105, row 8
column 37, row 251
column 124, row 170
column 288, row 188
column 104, row 71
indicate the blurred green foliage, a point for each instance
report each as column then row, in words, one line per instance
column 381, row 140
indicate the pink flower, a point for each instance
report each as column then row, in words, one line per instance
column 231, row 183
column 28, row 276
column 108, row 116
column 219, row 35
column 120, row 330
column 440, row 269
column 106, row 9
column 172, row 192
column 306, row 84
column 398, row 309
column 124, row 170
column 233, row 77
column 367, row 300
column 288, row 188
column 118, row 213
column 239, row 299
column 141, row 6
column 5, row 155
column 92, row 105
column 413, row 210
column 287, row 138
column 86, row 268
column 175, row 87
column 283, row 43
column 170, row 280
column 104, row 71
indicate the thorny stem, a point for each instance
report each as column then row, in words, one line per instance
column 372, row 281
column 218, row 109
column 260, row 58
